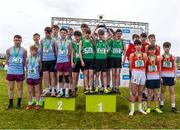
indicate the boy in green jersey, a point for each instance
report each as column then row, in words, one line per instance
column 75, row 60
column 87, row 60
column 101, row 59
column 118, row 49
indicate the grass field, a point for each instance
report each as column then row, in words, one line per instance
column 46, row 119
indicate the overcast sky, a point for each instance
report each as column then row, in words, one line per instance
column 25, row 17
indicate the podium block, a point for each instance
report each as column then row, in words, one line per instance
column 100, row 103
column 61, row 104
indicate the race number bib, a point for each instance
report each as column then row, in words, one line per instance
column 32, row 71
column 101, row 51
column 63, row 52
column 152, row 68
column 88, row 50
column 17, row 60
column 139, row 63
column 167, row 64
column 117, row 50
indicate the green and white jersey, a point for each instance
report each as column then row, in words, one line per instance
column 87, row 49
column 117, row 48
column 101, row 49
column 75, row 47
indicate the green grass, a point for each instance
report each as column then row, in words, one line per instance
column 46, row 119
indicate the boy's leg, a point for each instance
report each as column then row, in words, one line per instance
column 60, row 74
column 11, row 93
column 37, row 93
column 133, row 98
column 162, row 97
column 53, row 83
column 29, row 94
column 86, row 79
column 117, row 79
column 20, row 93
column 91, row 79
column 114, row 78
column 46, row 82
column 149, row 97
column 172, row 96
column 66, row 76
column 156, row 102
column 140, row 92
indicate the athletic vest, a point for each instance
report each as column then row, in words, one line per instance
column 117, row 48
column 16, row 61
column 63, row 51
column 101, row 49
column 167, row 66
column 33, row 68
column 75, row 52
column 48, row 50
column 138, row 64
column 152, row 68
column 87, row 49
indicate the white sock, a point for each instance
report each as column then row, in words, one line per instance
column 67, row 91
column 53, row 89
column 61, row 90
column 173, row 104
column 37, row 102
column 132, row 109
column 140, row 108
column 162, row 103
column 29, row 103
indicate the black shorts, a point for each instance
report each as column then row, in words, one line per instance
column 101, row 65
column 115, row 62
column 153, row 84
column 168, row 81
column 78, row 67
column 109, row 62
column 89, row 64
column 49, row 66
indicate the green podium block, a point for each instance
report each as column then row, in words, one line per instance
column 60, row 104
column 100, row 103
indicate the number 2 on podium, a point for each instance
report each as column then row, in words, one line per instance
column 59, row 105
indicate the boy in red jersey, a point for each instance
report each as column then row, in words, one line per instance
column 168, row 74
column 153, row 68
column 137, row 63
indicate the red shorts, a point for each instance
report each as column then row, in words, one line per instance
column 33, row 81
column 63, row 67
column 13, row 77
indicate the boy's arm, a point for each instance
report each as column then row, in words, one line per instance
column 175, row 69
column 130, row 61
column 159, row 60
column 56, row 48
column 7, row 58
column 124, row 52
column 80, row 54
column 25, row 56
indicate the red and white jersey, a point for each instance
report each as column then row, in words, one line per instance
column 152, row 68
column 167, row 66
column 157, row 52
column 138, row 63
